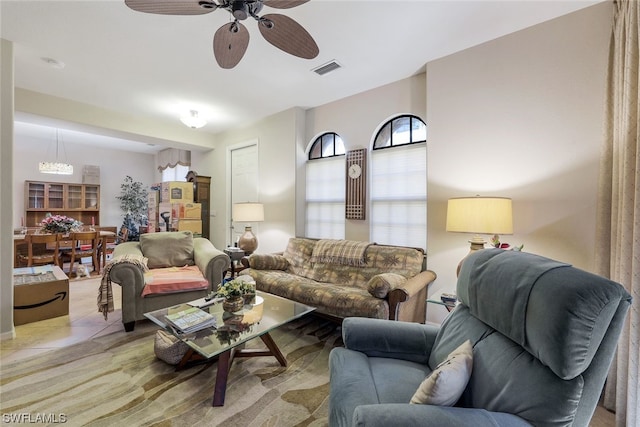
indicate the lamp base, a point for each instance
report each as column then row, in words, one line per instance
column 248, row 242
column 477, row 243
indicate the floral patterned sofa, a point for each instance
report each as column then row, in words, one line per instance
column 343, row 278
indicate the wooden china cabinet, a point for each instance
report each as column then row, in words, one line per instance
column 77, row 201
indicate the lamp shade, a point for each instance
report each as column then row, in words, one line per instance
column 480, row 215
column 247, row 212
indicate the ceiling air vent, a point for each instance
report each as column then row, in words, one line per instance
column 326, row 68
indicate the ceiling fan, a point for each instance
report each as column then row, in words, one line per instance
column 231, row 40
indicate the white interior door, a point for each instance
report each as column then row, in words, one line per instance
column 243, row 178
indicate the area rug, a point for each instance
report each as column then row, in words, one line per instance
column 117, row 380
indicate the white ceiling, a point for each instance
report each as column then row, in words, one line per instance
column 158, row 66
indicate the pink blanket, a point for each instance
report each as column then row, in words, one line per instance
column 173, row 279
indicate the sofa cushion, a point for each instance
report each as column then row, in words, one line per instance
column 340, row 251
column 445, row 384
column 335, row 300
column 298, row 254
column 167, row 249
column 379, row 259
column 380, row 284
column 404, row 261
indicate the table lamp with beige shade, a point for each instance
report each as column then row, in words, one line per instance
column 479, row 215
column 248, row 212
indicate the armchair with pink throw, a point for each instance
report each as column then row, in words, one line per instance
column 146, row 283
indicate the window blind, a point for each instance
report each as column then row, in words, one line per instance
column 399, row 196
column 325, row 192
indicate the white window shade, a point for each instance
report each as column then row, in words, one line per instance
column 177, row 173
column 325, row 192
column 399, row 196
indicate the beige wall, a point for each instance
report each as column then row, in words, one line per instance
column 277, row 139
column 521, row 117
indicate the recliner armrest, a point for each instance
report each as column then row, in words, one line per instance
column 387, row 338
column 405, row 414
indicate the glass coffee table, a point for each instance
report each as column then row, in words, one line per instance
column 225, row 340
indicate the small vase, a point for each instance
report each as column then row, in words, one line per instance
column 233, row 304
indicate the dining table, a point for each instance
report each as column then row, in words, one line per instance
column 20, row 244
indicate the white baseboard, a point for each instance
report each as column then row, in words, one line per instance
column 8, row 335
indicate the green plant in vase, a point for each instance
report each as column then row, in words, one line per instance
column 233, row 293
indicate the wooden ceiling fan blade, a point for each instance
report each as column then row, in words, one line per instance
column 172, row 7
column 289, row 36
column 230, row 43
column 284, row 4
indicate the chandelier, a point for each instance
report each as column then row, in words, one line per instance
column 56, row 167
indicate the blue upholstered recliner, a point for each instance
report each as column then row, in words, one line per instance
column 543, row 336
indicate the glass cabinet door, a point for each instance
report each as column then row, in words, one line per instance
column 55, row 196
column 35, row 195
column 91, row 197
column 74, row 196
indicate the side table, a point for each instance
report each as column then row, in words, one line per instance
column 447, row 302
column 236, row 254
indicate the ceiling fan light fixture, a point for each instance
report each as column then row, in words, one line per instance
column 193, row 120
column 230, row 41
column 239, row 10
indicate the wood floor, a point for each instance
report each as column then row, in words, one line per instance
column 84, row 322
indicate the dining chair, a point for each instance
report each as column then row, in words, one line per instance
column 84, row 244
column 42, row 249
column 109, row 239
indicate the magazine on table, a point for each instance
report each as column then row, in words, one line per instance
column 190, row 320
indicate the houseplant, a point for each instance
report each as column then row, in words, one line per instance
column 234, row 292
column 134, row 203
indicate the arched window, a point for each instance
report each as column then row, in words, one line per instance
column 399, row 183
column 325, row 171
column 326, row 145
column 402, row 130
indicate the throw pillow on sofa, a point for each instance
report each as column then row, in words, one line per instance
column 167, row 249
column 268, row 262
column 380, row 284
column 445, row 384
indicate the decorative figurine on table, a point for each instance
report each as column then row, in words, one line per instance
column 495, row 242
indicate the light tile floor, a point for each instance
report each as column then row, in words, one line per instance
column 82, row 323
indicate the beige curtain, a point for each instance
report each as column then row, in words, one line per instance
column 171, row 157
column 618, row 250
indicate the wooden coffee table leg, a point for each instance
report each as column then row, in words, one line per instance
column 273, row 347
column 225, row 360
column 220, row 389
